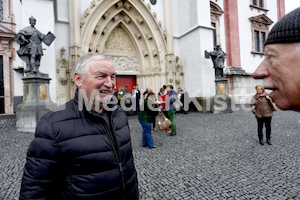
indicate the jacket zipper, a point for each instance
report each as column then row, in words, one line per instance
column 119, row 155
column 116, row 150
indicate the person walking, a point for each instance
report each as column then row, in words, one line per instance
column 84, row 150
column 163, row 94
column 262, row 108
column 136, row 96
column 184, row 100
column 120, row 95
column 128, row 100
column 171, row 98
column 146, row 120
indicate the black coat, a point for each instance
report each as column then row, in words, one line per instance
column 75, row 155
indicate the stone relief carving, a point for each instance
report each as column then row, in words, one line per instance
column 96, row 29
column 178, row 70
column 93, row 4
column 62, row 68
column 125, row 63
column 104, row 30
column 119, row 42
column 149, row 36
column 155, row 52
column 127, row 19
column 81, row 22
column 116, row 18
column 146, row 53
column 86, row 12
column 149, row 6
column 119, row 4
column 138, row 35
column 160, row 24
column 105, row 15
column 140, row 20
column 127, row 5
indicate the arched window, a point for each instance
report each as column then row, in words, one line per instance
column 215, row 13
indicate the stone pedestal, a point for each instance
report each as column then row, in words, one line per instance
column 222, row 101
column 36, row 103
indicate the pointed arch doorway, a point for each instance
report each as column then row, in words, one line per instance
column 120, row 48
column 128, row 32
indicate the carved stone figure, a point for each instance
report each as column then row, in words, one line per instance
column 31, row 51
column 218, row 59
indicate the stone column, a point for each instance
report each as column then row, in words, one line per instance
column 75, row 41
column 170, row 46
column 8, row 78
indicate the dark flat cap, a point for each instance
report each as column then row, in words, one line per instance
column 286, row 30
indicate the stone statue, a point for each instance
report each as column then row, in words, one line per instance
column 218, row 59
column 31, row 51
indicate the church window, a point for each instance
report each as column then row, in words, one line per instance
column 259, row 40
column 259, row 5
column 214, row 33
column 215, row 13
column 259, row 28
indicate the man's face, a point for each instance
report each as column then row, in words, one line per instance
column 100, row 79
column 32, row 22
column 280, row 71
column 168, row 89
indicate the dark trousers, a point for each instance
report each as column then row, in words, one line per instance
column 260, row 125
column 154, row 121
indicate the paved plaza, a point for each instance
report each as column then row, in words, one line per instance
column 213, row 156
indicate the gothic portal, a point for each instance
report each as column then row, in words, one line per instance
column 128, row 32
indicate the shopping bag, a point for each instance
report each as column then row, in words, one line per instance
column 165, row 123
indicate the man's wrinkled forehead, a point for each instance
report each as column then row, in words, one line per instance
column 103, row 64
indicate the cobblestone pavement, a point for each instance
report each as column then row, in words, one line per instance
column 213, row 156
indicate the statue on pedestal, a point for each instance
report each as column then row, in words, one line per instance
column 31, row 51
column 36, row 101
column 218, row 59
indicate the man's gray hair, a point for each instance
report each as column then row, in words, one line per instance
column 82, row 65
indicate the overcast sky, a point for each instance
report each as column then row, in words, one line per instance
column 291, row 5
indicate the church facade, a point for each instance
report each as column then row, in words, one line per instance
column 151, row 43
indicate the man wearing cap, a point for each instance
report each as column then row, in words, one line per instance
column 280, row 69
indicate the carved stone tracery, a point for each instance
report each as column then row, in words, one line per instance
column 125, row 64
column 119, row 42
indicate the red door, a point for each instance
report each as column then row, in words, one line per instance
column 126, row 81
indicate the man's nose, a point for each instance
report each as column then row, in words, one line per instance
column 109, row 82
column 261, row 71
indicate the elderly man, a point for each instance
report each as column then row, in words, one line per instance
column 280, row 69
column 83, row 151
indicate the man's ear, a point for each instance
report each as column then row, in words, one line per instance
column 78, row 80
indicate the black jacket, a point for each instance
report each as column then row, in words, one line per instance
column 76, row 155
